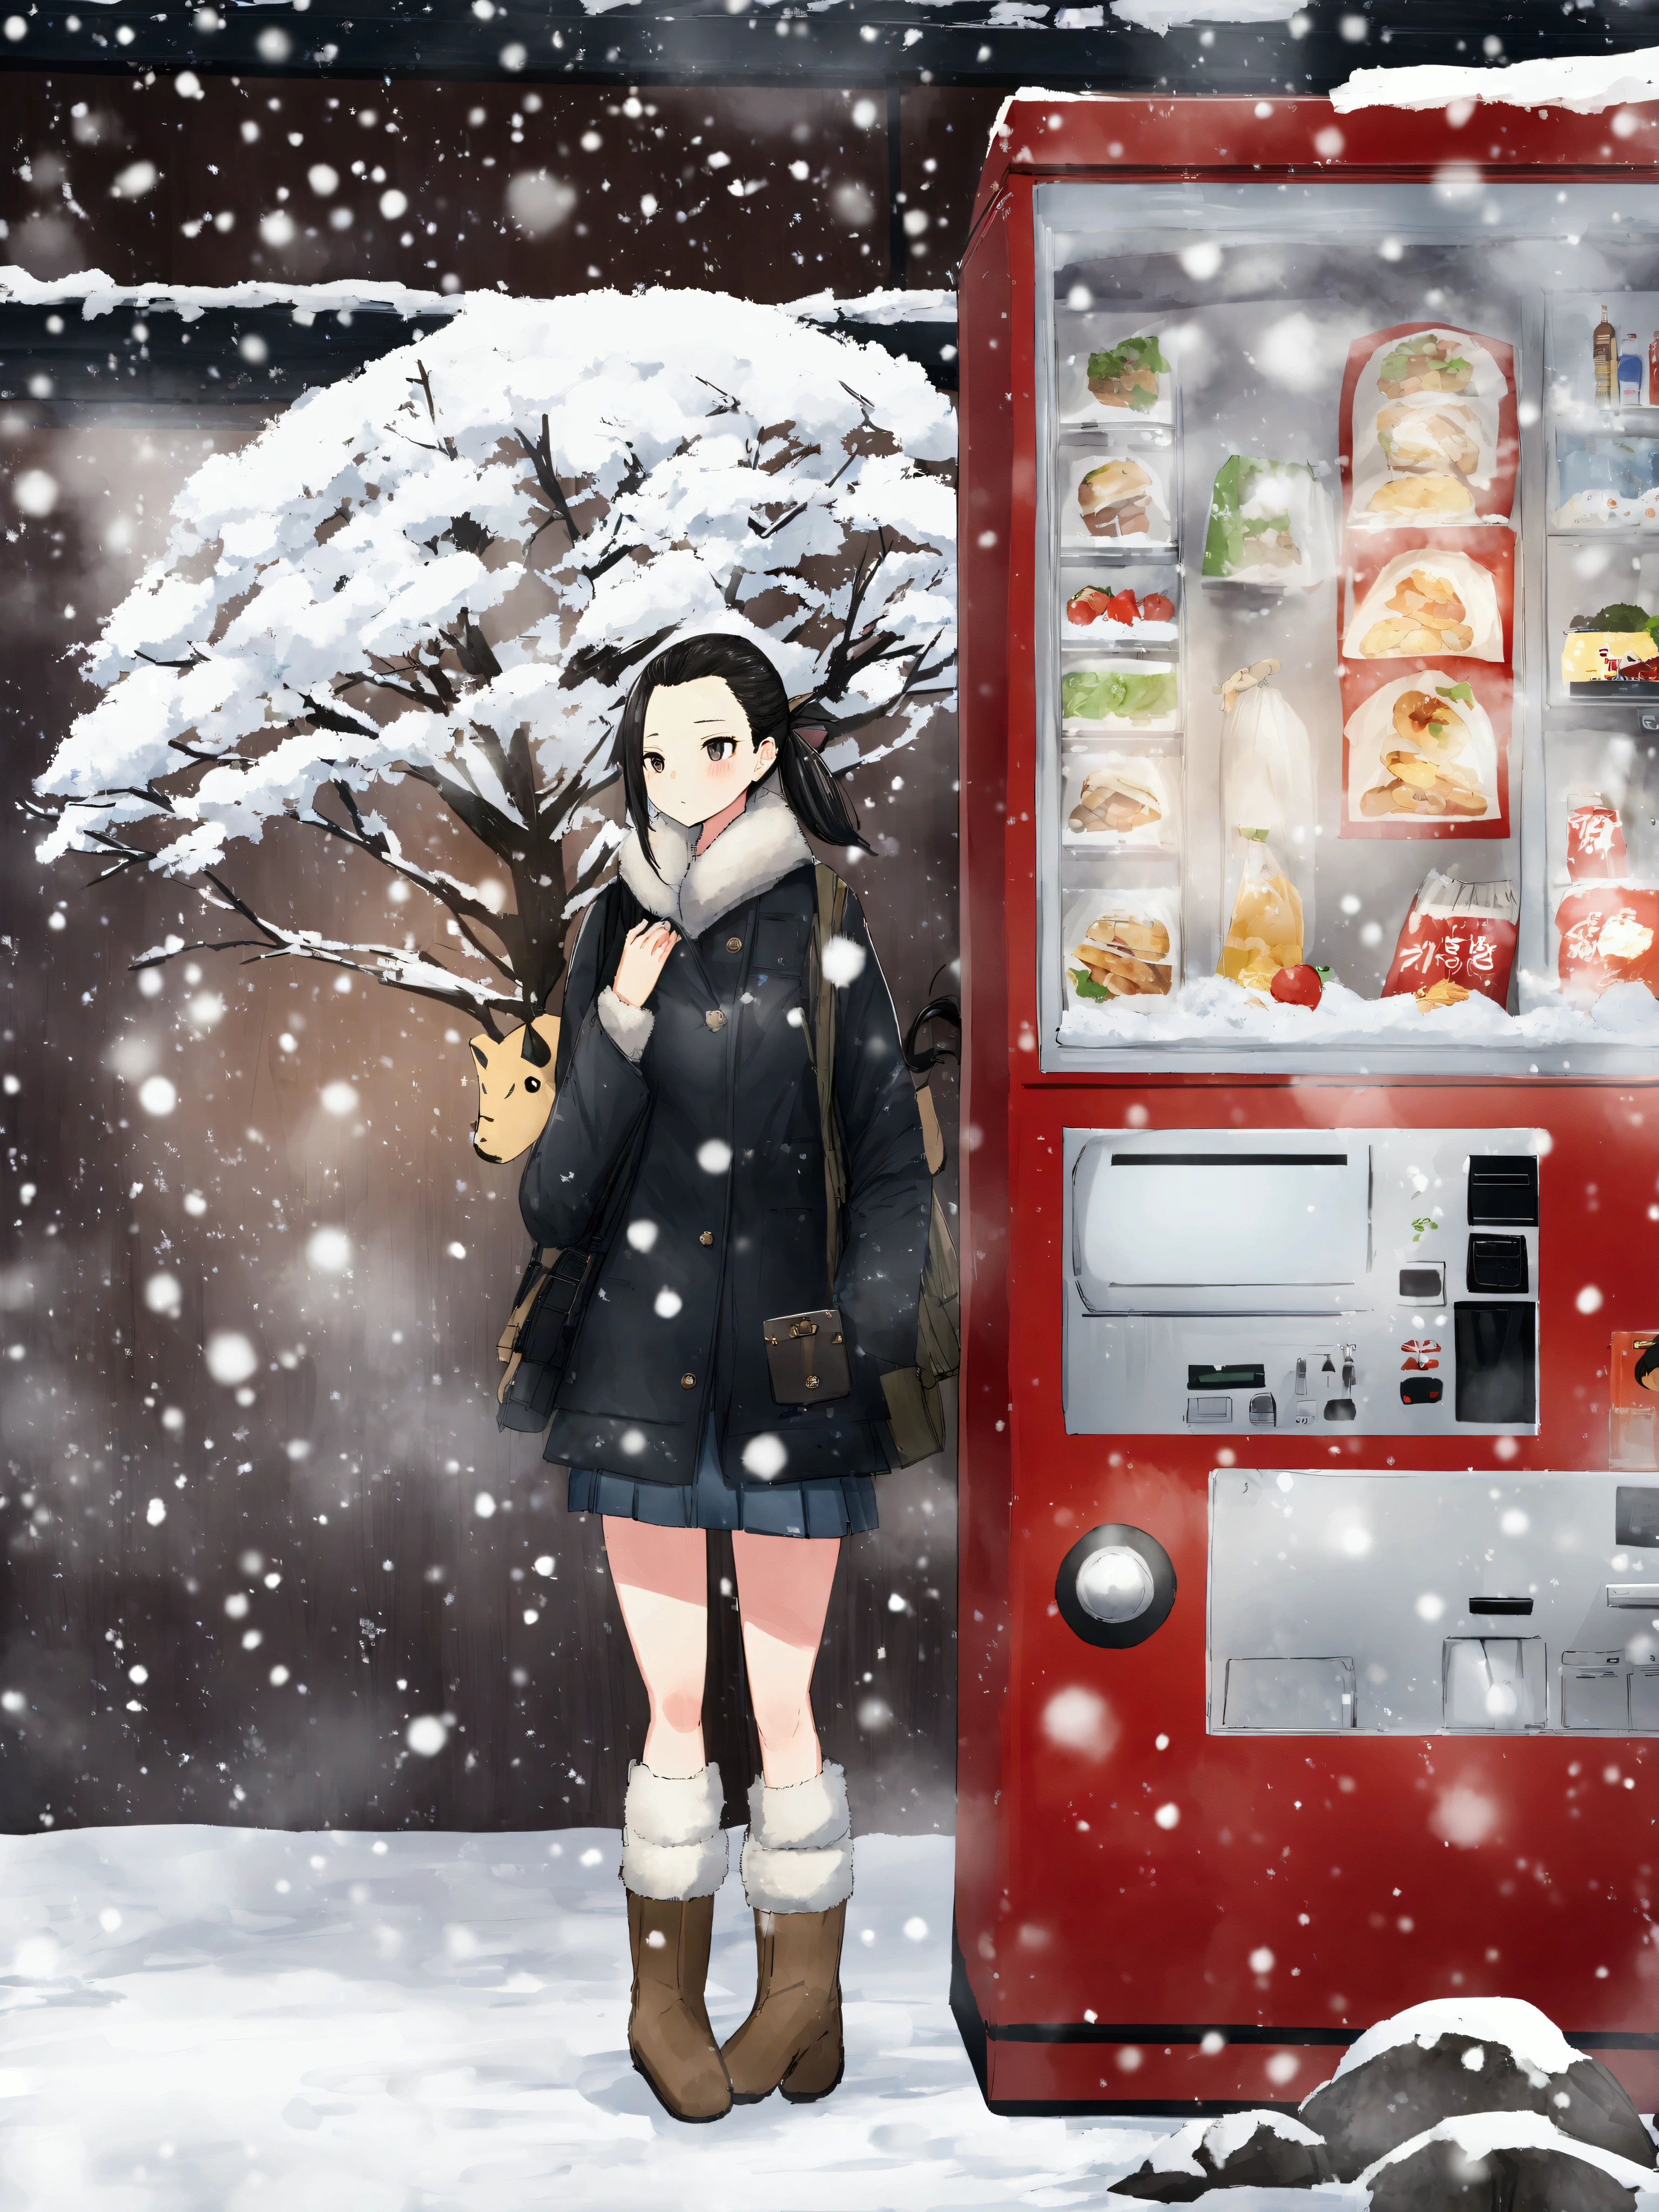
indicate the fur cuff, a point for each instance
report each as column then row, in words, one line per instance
column 663, row 1808
column 797, row 1880
column 802, row 1815
column 629, row 1027
column 671, row 1873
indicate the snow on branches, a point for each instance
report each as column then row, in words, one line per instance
column 449, row 568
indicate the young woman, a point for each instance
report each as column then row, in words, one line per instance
column 685, row 1148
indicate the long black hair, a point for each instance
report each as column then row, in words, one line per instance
column 815, row 799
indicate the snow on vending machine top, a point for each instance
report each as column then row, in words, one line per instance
column 1309, row 1602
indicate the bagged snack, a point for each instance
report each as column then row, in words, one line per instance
column 1119, row 799
column 1596, row 840
column 1459, row 936
column 1270, row 523
column 1113, row 376
column 1123, row 694
column 1608, row 935
column 1614, row 650
column 1265, row 932
column 1266, row 783
column 1424, row 600
column 1428, row 427
column 1122, row 945
column 1097, row 607
column 1420, row 754
column 1120, row 498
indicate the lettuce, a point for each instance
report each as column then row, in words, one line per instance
column 1090, row 694
column 1085, row 985
column 1130, row 354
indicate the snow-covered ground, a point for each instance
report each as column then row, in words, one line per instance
column 228, row 2020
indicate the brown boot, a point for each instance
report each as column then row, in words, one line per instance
column 674, row 1858
column 791, row 2040
column 668, row 2031
column 798, row 1872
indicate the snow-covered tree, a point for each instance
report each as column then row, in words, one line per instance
column 449, row 567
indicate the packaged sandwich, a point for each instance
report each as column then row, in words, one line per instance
column 1428, row 428
column 1122, row 945
column 1112, row 375
column 1460, row 935
column 1422, row 757
column 1412, row 598
column 1119, row 499
column 1609, row 934
column 1117, row 798
column 1270, row 523
column 1141, row 695
column 1264, row 931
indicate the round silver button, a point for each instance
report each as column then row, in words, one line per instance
column 1114, row 1584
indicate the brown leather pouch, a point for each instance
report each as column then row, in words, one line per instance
column 806, row 1353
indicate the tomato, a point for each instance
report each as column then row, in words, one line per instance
column 1156, row 608
column 1121, row 607
column 1087, row 605
column 1298, row 986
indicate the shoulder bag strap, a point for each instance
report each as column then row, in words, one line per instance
column 821, row 1044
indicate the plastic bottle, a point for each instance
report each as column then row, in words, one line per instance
column 1629, row 371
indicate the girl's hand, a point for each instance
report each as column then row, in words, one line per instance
column 645, row 950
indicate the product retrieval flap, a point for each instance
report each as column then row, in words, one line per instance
column 1222, row 1221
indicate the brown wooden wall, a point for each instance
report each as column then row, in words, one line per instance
column 353, row 1474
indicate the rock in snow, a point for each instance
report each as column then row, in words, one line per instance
column 1244, row 2150
column 1492, row 2057
column 1502, row 2162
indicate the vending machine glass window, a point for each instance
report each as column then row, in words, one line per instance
column 1346, row 638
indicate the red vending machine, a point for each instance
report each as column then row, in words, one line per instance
column 1310, row 1599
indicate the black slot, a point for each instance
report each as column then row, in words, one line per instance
column 1636, row 1516
column 1339, row 1409
column 1229, row 1159
column 1500, row 1605
column 1497, row 1364
column 1497, row 1263
column 1422, row 1390
column 1240, row 1377
column 1502, row 1189
column 1422, row 1286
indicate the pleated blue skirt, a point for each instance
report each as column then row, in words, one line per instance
column 823, row 1505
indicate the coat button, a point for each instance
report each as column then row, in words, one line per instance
column 708, row 1236
column 688, row 1381
column 715, row 1018
column 734, row 944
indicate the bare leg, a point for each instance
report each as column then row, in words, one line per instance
column 661, row 1579
column 783, row 1591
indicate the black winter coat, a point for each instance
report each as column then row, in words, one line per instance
column 701, row 1166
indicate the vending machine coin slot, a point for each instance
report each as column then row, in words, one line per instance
column 1424, row 1285
column 1497, row 1364
column 1497, row 1263
column 1500, row 1605
column 1502, row 1189
column 1636, row 1516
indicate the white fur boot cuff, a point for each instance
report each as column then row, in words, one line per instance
column 673, row 1846
column 799, row 1855
column 802, row 1814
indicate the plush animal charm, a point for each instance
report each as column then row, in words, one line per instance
column 515, row 1088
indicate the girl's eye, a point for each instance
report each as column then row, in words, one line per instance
column 532, row 1083
column 719, row 749
column 655, row 763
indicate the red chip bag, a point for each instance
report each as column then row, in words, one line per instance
column 1596, row 841
column 1609, row 934
column 1456, row 933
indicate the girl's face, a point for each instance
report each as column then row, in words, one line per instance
column 699, row 756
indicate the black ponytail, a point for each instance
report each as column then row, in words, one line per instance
column 815, row 798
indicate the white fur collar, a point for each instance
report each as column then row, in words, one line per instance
column 695, row 888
